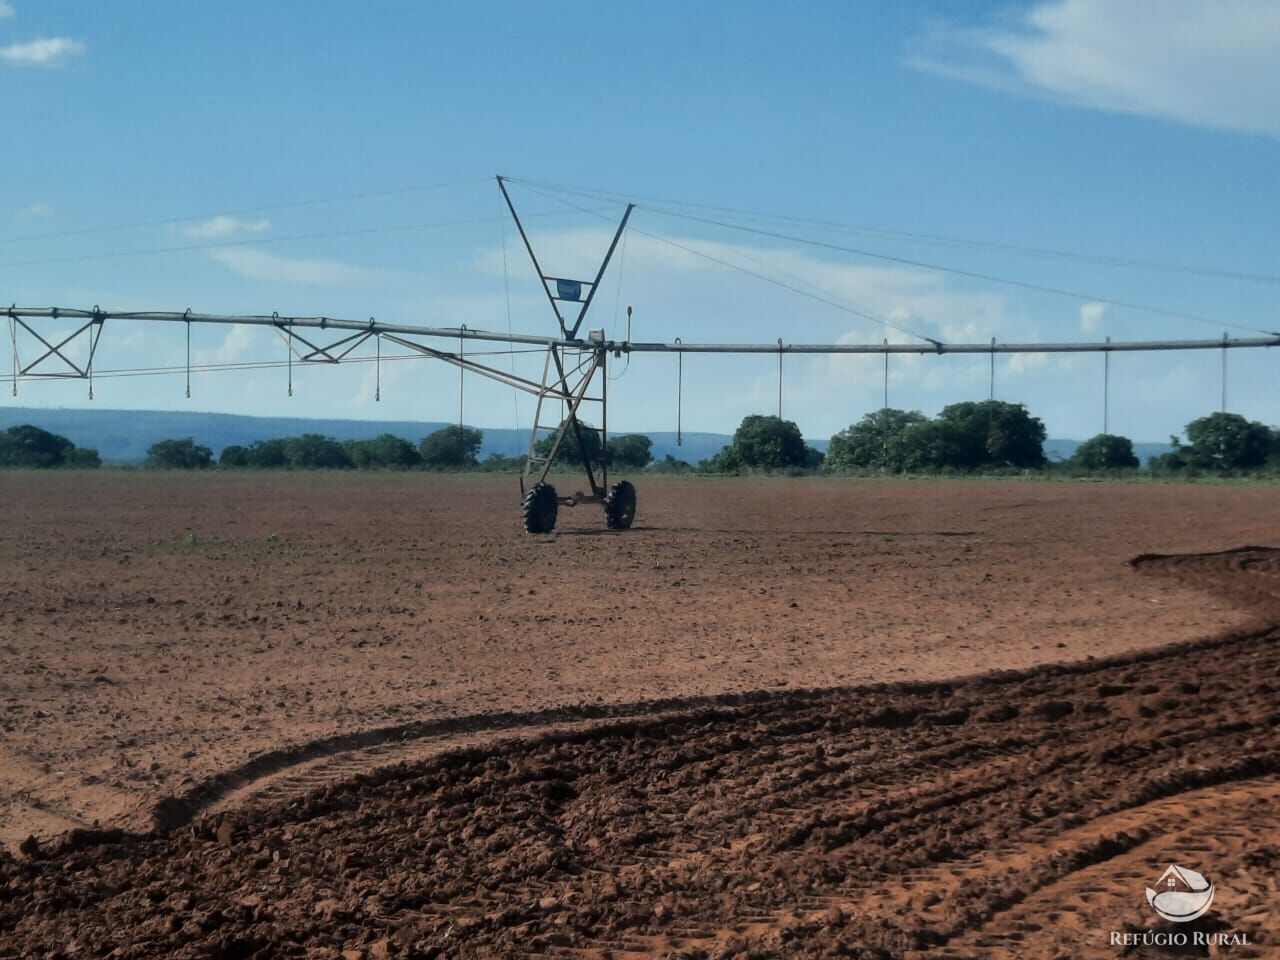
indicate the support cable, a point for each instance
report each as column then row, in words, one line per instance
column 943, row 268
column 13, row 338
column 1106, row 390
column 256, row 241
column 166, row 221
column 617, row 303
column 1224, row 373
column 821, row 298
column 992, row 395
column 506, row 292
column 884, row 411
column 1024, row 250
column 886, row 382
column 289, row 352
column 679, row 397
column 779, row 378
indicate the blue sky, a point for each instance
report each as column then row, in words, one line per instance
column 1136, row 130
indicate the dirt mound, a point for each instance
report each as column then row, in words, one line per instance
column 1012, row 815
column 1249, row 576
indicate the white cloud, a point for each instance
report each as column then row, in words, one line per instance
column 222, row 226
column 1026, row 362
column 1209, row 63
column 909, row 298
column 46, row 52
column 269, row 267
column 1091, row 316
column 36, row 211
column 6, row 10
column 238, row 344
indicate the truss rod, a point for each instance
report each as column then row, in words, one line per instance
column 501, row 376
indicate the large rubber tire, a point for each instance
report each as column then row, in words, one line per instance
column 539, row 508
column 620, row 505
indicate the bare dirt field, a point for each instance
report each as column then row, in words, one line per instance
column 367, row 713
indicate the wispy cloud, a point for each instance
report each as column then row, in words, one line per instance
column 1091, row 316
column 272, row 268
column 36, row 211
column 6, row 10
column 1209, row 63
column 48, row 52
column 239, row 343
column 222, row 226
column 908, row 298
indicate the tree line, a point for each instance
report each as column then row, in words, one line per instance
column 32, row 448
column 449, row 448
column 991, row 434
column 968, row 437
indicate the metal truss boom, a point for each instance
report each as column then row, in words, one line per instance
column 373, row 328
column 1108, row 346
column 370, row 326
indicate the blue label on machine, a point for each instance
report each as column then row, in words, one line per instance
column 569, row 289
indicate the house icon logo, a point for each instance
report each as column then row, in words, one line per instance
column 1180, row 894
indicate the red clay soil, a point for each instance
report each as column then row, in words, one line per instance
column 234, row 661
column 201, row 638
column 1016, row 814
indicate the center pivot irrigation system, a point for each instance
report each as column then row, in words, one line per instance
column 572, row 364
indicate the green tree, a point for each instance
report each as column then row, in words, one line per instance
column 1227, row 442
column 83, row 458
column 499, row 463
column 938, row 445
column 451, row 447
column 1106, row 451
column 763, row 443
column 874, row 441
column 384, row 451
column 234, row 456
column 268, row 454
column 313, row 451
column 184, row 454
column 670, row 464
column 28, row 446
column 1175, row 461
column 631, row 450
column 569, row 450
column 995, row 432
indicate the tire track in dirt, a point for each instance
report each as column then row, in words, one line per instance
column 297, row 768
column 1015, row 814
